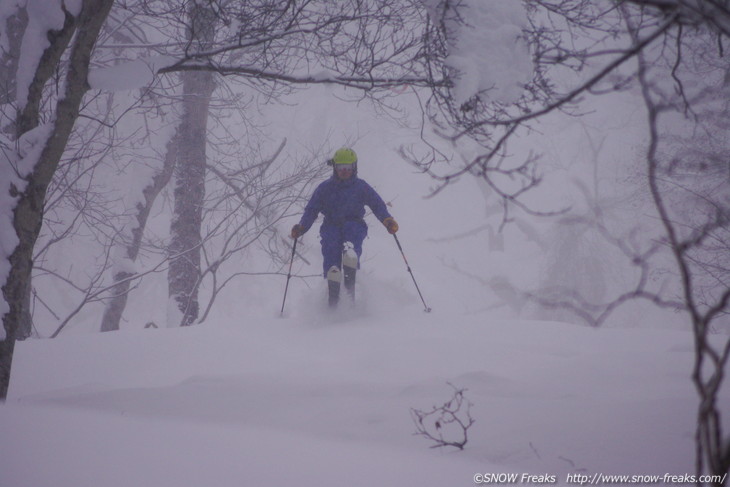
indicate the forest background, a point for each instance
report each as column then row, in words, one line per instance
column 174, row 142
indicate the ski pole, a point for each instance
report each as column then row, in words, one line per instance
column 288, row 276
column 426, row 308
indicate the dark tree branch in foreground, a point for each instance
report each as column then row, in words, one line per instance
column 445, row 425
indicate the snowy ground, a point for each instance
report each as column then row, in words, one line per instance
column 316, row 400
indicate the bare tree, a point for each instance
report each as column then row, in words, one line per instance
column 243, row 209
column 84, row 27
column 694, row 210
column 673, row 51
column 123, row 278
column 190, row 150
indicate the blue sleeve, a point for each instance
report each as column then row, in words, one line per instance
column 311, row 211
column 376, row 203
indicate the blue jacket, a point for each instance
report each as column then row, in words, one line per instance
column 341, row 201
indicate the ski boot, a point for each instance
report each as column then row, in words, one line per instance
column 334, row 276
column 349, row 268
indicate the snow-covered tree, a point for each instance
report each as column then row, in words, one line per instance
column 55, row 30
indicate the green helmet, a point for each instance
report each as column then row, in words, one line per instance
column 344, row 156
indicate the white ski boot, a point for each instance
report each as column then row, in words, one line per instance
column 334, row 277
column 349, row 267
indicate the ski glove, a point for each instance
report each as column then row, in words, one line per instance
column 391, row 225
column 297, row 231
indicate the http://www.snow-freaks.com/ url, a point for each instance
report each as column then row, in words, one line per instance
column 594, row 479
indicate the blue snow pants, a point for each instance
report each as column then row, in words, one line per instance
column 334, row 236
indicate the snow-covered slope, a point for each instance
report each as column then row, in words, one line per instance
column 317, row 400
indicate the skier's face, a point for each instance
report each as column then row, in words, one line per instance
column 344, row 171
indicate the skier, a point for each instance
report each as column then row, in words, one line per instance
column 342, row 199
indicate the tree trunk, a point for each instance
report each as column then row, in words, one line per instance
column 116, row 304
column 14, row 28
column 189, row 193
column 28, row 214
